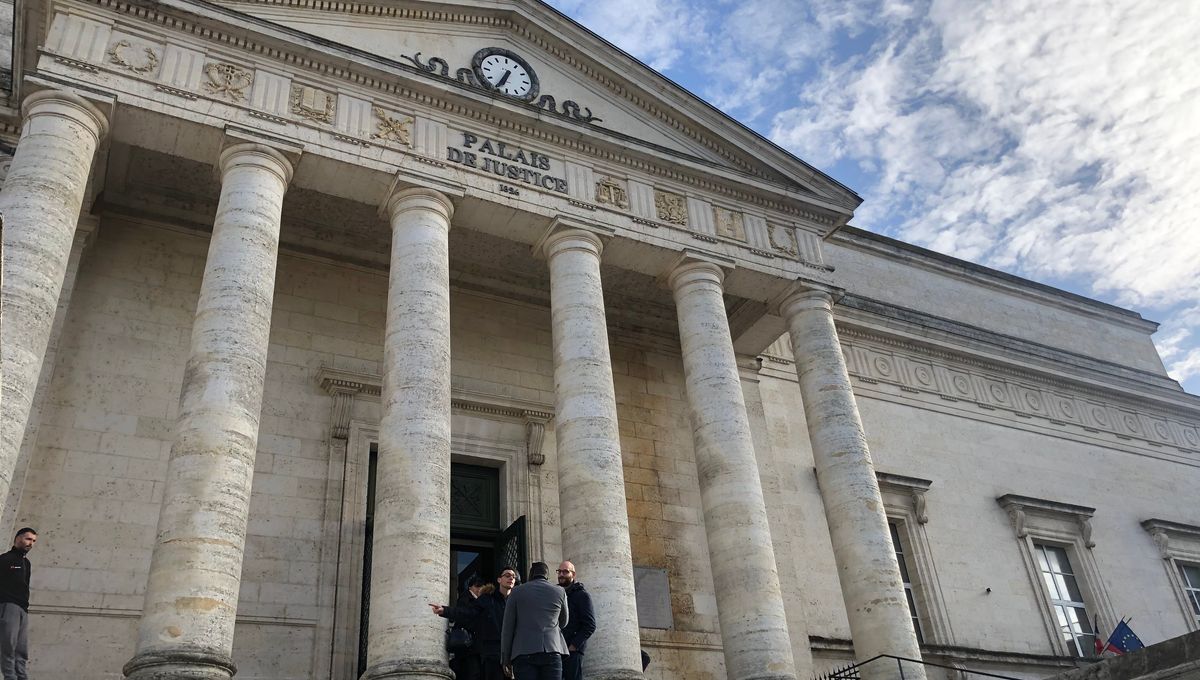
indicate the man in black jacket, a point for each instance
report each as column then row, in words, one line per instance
column 484, row 617
column 14, row 605
column 582, row 623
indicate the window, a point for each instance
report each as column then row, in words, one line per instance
column 1190, row 574
column 1055, row 540
column 908, row 586
column 904, row 502
column 1179, row 546
column 1066, row 600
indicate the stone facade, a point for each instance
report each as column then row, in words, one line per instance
column 266, row 265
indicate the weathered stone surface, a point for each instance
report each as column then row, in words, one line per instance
column 411, row 554
column 195, row 573
column 754, row 629
column 42, row 197
column 595, row 524
column 880, row 621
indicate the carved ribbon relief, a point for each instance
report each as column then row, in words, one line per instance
column 389, row 128
column 227, row 80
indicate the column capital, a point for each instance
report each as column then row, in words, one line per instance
column 694, row 266
column 405, row 198
column 66, row 104
column 567, row 233
column 255, row 155
column 803, row 295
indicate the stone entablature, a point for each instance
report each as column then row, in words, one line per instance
column 332, row 107
column 877, row 361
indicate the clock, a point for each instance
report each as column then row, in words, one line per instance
column 505, row 72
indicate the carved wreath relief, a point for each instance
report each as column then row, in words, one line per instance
column 313, row 104
column 123, row 53
column 670, row 208
column 729, row 223
column 610, row 193
column 392, row 128
column 227, row 80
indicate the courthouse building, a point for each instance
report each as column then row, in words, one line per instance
column 314, row 309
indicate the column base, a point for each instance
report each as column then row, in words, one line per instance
column 180, row 665
column 615, row 674
column 418, row 669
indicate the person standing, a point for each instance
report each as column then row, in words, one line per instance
column 15, row 571
column 531, row 642
column 582, row 623
column 483, row 616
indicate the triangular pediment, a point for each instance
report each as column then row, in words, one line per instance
column 579, row 79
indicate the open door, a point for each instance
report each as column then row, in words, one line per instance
column 511, row 549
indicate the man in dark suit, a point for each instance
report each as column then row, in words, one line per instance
column 582, row 623
column 531, row 641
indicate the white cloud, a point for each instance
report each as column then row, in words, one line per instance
column 1056, row 140
column 657, row 32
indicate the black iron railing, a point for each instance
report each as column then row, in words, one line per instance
column 881, row 668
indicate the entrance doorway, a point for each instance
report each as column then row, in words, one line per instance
column 479, row 545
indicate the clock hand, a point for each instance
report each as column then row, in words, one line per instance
column 504, row 79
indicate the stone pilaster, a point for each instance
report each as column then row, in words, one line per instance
column 754, row 631
column 880, row 622
column 42, row 198
column 595, row 523
column 195, row 574
column 410, row 558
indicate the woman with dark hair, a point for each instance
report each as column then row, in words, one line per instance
column 484, row 617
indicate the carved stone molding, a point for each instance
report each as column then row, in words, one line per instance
column 994, row 387
column 1019, row 509
column 913, row 487
column 535, row 435
column 312, row 103
column 729, row 223
column 137, row 58
column 227, row 80
column 344, row 386
column 1173, row 538
column 611, row 192
column 392, row 127
column 670, row 208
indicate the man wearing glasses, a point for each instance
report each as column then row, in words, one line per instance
column 582, row 621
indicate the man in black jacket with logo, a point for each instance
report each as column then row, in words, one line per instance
column 14, row 605
column 581, row 624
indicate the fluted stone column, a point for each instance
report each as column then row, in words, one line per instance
column 191, row 600
column 41, row 201
column 410, row 558
column 880, row 622
column 754, row 631
column 595, row 523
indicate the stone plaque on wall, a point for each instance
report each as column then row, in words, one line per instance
column 653, row 593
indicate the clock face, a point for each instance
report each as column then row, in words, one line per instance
column 506, row 73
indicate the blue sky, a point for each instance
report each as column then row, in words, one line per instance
column 1059, row 141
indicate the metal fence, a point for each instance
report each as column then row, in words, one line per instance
column 888, row 667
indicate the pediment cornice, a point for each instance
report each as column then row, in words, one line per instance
column 638, row 85
column 206, row 25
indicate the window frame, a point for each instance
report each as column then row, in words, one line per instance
column 905, row 506
column 1062, row 525
column 1178, row 546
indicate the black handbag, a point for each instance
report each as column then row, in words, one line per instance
column 458, row 639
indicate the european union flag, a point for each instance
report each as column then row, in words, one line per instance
column 1123, row 640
